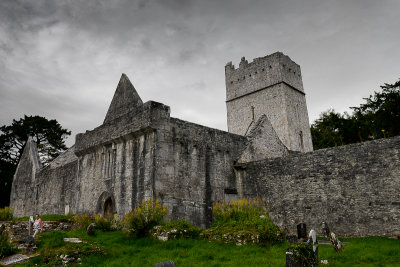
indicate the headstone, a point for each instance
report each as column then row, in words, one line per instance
column 91, row 229
column 301, row 231
column 312, row 241
column 165, row 264
column 66, row 210
column 337, row 245
column 325, row 229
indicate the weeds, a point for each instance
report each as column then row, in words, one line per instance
column 244, row 221
column 6, row 248
column 143, row 218
column 6, row 214
column 82, row 221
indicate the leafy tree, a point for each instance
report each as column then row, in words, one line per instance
column 377, row 118
column 380, row 115
column 48, row 135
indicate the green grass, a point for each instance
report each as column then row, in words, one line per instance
column 122, row 251
column 184, row 252
column 367, row 251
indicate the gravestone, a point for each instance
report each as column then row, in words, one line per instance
column 325, row 229
column 312, row 241
column 91, row 229
column 337, row 245
column 301, row 231
column 165, row 264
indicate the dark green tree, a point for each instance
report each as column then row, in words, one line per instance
column 377, row 118
column 380, row 115
column 48, row 135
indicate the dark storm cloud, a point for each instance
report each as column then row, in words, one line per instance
column 63, row 59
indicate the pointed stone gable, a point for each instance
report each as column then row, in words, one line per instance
column 263, row 142
column 30, row 158
column 22, row 197
column 125, row 100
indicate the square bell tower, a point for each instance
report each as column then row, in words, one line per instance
column 270, row 85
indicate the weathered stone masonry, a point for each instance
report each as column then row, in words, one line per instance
column 354, row 188
column 140, row 152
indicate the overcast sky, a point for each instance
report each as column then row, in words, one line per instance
column 63, row 59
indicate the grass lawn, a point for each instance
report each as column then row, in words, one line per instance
column 122, row 251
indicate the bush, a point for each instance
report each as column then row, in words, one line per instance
column 6, row 214
column 143, row 218
column 303, row 254
column 247, row 219
column 6, row 248
column 102, row 223
column 176, row 230
column 82, row 221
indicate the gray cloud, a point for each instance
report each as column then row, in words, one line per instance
column 63, row 59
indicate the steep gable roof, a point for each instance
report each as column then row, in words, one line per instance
column 263, row 142
column 125, row 99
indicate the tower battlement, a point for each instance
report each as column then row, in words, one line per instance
column 261, row 73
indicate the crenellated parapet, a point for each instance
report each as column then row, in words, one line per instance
column 261, row 73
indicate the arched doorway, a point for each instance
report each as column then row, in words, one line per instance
column 108, row 207
column 106, row 204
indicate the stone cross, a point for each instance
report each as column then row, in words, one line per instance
column 30, row 223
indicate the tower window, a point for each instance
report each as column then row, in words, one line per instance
column 109, row 162
column 301, row 140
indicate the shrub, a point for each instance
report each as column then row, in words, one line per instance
column 6, row 214
column 303, row 255
column 143, row 218
column 82, row 221
column 102, row 223
column 115, row 222
column 6, row 248
column 176, row 230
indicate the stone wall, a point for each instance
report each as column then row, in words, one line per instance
column 354, row 188
column 194, row 168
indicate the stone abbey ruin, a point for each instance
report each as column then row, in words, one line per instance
column 140, row 152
